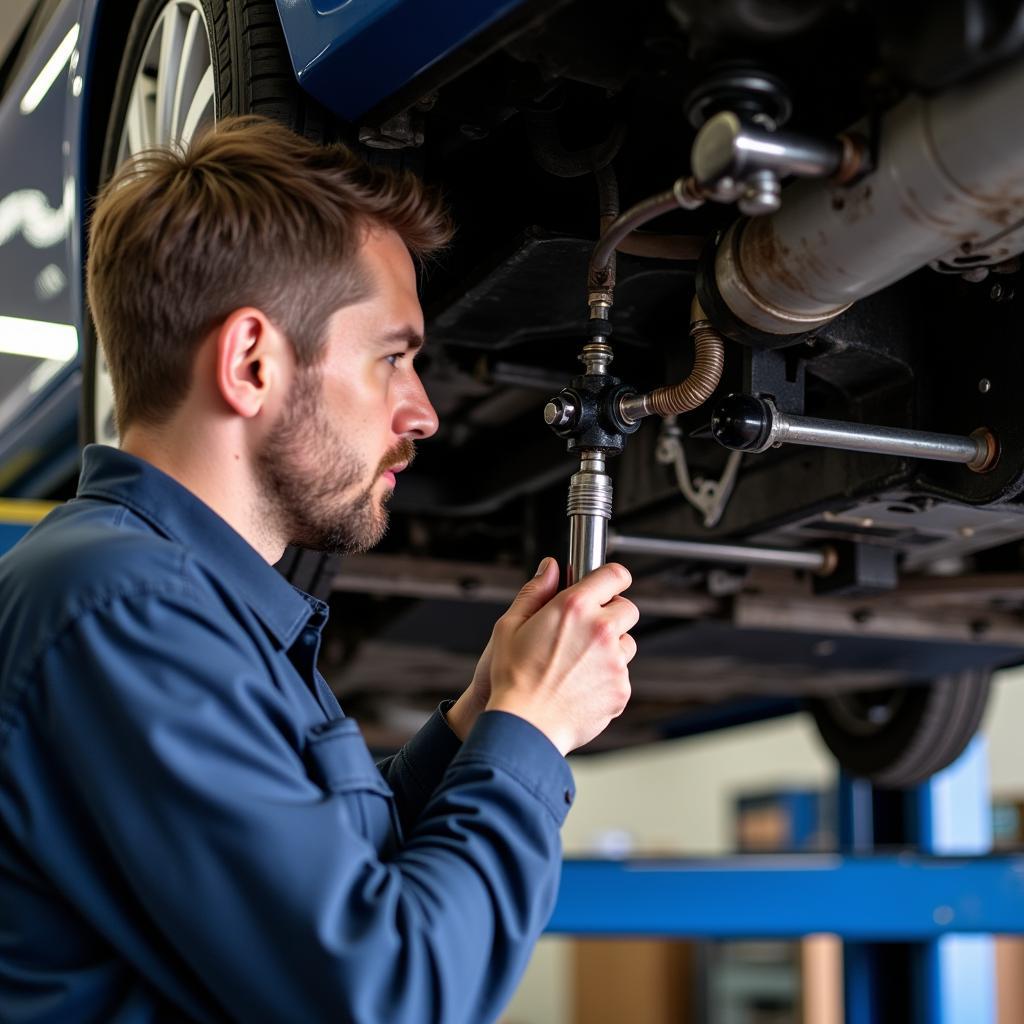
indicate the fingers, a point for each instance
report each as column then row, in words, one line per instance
column 604, row 583
column 536, row 592
column 628, row 645
column 622, row 613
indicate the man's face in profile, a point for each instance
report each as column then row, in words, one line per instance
column 351, row 419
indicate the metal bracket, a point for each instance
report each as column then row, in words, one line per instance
column 776, row 374
column 709, row 497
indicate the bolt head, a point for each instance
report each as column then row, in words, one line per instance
column 759, row 202
column 984, row 385
column 559, row 413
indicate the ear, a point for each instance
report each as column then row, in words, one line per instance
column 253, row 361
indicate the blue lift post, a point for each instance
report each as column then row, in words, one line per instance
column 950, row 980
column 916, row 923
column 954, row 815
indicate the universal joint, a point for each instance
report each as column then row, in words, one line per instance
column 587, row 412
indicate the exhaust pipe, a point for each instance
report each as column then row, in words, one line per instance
column 948, row 186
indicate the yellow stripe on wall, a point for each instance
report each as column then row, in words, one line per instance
column 23, row 510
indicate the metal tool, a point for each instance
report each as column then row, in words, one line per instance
column 749, row 423
column 587, row 414
column 589, row 509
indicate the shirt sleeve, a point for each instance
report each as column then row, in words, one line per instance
column 180, row 751
column 417, row 769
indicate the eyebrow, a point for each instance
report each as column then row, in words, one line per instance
column 411, row 337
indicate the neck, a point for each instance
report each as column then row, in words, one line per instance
column 217, row 468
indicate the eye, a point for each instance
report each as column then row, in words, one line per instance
column 394, row 358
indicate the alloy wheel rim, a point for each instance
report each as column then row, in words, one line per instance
column 172, row 97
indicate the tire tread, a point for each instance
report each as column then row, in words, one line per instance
column 929, row 731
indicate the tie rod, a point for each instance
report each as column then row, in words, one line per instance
column 751, row 423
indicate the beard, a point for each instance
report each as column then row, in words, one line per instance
column 305, row 468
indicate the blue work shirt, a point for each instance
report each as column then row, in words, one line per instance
column 190, row 828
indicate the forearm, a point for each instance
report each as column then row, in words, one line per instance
column 462, row 715
column 417, row 769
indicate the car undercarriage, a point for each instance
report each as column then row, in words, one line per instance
column 736, row 285
column 584, row 110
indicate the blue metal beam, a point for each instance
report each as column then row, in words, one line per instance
column 880, row 898
column 10, row 534
column 955, row 817
column 17, row 517
column 868, row 968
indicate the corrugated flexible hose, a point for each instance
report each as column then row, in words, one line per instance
column 699, row 386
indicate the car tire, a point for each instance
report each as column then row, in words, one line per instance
column 899, row 738
column 249, row 73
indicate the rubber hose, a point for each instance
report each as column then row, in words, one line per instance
column 624, row 224
column 641, row 243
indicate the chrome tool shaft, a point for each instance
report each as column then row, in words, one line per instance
column 589, row 508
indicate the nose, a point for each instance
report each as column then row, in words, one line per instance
column 415, row 417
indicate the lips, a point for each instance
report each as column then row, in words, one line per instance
column 389, row 473
column 403, row 454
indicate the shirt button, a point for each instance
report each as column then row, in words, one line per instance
column 568, row 796
column 309, row 638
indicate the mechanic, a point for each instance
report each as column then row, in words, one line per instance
column 190, row 828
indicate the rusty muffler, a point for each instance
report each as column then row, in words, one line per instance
column 947, row 190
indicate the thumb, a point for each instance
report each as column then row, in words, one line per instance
column 536, row 592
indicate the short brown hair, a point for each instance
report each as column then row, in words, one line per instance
column 250, row 214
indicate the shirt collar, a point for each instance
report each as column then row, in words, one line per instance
column 174, row 511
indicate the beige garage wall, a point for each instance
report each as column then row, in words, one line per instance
column 677, row 797
column 13, row 15
column 1004, row 720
